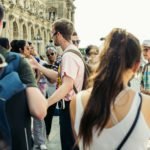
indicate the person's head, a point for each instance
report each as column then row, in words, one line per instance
column 33, row 52
column 4, row 42
column 62, row 30
column 13, row 45
column 1, row 18
column 146, row 49
column 120, row 56
column 51, row 54
column 75, row 39
column 92, row 52
column 23, row 48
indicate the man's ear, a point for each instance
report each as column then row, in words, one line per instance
column 136, row 66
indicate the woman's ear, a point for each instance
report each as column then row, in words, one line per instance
column 136, row 66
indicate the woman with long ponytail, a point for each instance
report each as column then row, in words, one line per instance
column 103, row 115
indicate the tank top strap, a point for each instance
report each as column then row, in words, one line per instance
column 133, row 108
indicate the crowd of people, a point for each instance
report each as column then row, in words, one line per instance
column 111, row 112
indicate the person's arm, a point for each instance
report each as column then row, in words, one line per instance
column 73, row 114
column 36, row 101
column 145, row 108
column 62, row 91
column 51, row 74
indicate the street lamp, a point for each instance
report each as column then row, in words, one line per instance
column 38, row 40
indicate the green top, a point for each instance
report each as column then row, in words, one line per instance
column 25, row 71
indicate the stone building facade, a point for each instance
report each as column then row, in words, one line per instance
column 31, row 19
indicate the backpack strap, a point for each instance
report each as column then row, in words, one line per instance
column 132, row 127
column 80, row 55
column 86, row 68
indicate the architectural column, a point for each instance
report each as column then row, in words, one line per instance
column 21, row 28
column 72, row 16
column 29, row 30
column 10, row 30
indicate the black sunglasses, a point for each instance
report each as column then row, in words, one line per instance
column 51, row 54
column 76, row 41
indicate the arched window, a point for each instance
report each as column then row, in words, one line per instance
column 52, row 14
column 24, row 32
column 15, row 30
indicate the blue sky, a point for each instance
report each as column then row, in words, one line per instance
column 96, row 18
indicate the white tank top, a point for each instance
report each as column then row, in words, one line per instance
column 110, row 138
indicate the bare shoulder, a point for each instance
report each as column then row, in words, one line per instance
column 145, row 108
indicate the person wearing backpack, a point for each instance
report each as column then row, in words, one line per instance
column 20, row 99
column 70, row 74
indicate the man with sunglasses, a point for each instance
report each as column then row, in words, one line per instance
column 70, row 73
column 145, row 83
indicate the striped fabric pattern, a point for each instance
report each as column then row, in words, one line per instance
column 146, row 77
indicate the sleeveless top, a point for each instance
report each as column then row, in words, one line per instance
column 110, row 138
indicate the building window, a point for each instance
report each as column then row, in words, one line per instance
column 24, row 32
column 15, row 30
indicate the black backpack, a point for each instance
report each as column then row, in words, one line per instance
column 19, row 120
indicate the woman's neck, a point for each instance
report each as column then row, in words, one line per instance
column 127, row 76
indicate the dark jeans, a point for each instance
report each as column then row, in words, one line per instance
column 49, row 117
column 66, row 134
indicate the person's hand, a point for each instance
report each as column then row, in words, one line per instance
column 33, row 62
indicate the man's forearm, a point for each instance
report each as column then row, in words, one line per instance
column 51, row 74
column 59, row 94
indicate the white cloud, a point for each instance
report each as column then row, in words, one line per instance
column 95, row 18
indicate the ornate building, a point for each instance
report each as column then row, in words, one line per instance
column 31, row 19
